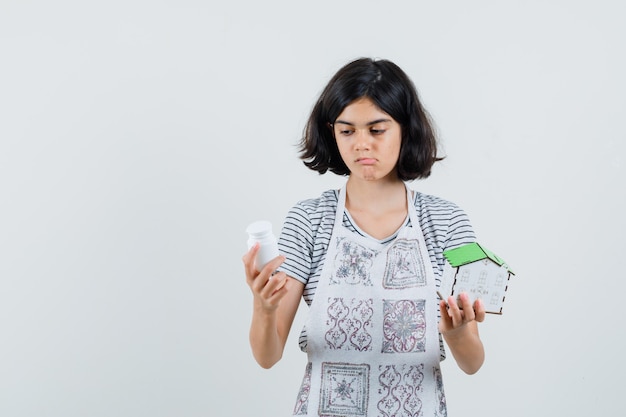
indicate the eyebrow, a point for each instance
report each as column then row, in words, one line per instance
column 373, row 122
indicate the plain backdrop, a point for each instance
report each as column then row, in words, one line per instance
column 139, row 138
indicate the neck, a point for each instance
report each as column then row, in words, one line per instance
column 375, row 195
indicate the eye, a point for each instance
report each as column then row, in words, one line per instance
column 346, row 132
column 377, row 131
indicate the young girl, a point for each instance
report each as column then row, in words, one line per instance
column 367, row 259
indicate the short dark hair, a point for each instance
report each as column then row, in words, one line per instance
column 388, row 86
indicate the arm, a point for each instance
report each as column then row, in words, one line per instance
column 275, row 301
column 459, row 329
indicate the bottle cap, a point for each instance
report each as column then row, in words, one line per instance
column 259, row 228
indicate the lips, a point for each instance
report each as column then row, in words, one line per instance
column 366, row 161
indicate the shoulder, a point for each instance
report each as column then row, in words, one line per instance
column 309, row 218
column 312, row 210
column 431, row 204
column 327, row 198
column 443, row 220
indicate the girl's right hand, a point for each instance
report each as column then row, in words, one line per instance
column 268, row 286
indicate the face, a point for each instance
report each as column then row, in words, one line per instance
column 368, row 140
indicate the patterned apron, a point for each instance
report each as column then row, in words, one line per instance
column 373, row 343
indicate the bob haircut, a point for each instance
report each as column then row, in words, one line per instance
column 393, row 92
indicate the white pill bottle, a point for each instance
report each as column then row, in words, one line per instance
column 261, row 232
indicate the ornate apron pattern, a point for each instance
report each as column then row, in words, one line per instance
column 401, row 387
column 302, row 403
column 345, row 389
column 349, row 324
column 404, row 268
column 404, row 326
column 353, row 263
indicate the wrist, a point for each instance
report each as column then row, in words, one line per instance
column 459, row 334
column 262, row 310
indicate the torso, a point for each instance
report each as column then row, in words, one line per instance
column 373, row 341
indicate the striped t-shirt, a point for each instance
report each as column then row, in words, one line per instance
column 305, row 237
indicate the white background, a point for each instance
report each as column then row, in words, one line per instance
column 139, row 138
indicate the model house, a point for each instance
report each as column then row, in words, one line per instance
column 474, row 269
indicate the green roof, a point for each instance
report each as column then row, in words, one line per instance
column 472, row 252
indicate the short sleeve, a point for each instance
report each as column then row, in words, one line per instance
column 305, row 237
column 460, row 231
column 296, row 243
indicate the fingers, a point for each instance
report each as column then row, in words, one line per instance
column 273, row 265
column 270, row 295
column 468, row 309
column 461, row 311
column 267, row 285
column 454, row 312
column 267, row 274
column 446, row 321
column 275, row 286
column 479, row 310
column 248, row 262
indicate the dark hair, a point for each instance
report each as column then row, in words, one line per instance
column 393, row 92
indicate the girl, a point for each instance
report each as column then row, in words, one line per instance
column 367, row 259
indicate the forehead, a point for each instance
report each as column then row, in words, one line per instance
column 362, row 110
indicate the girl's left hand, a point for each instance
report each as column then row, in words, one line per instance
column 455, row 317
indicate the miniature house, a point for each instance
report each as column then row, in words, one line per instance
column 477, row 271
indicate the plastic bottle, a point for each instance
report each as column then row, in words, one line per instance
column 261, row 231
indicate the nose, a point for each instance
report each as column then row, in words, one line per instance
column 363, row 140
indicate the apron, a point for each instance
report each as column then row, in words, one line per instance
column 373, row 341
